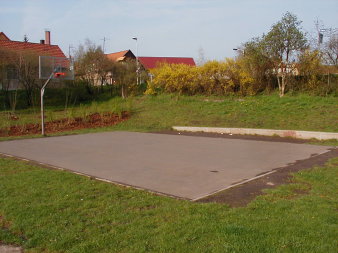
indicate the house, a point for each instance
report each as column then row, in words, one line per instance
column 150, row 63
column 44, row 48
column 147, row 63
column 153, row 62
column 121, row 56
column 289, row 69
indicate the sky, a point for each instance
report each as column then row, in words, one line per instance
column 177, row 28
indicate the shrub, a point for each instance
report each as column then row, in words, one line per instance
column 214, row 77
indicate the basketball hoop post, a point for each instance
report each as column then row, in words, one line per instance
column 42, row 92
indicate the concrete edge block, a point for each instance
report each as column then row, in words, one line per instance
column 267, row 132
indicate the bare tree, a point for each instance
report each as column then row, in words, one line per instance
column 330, row 50
column 92, row 65
column 4, row 75
column 20, row 66
column 87, row 62
column 27, row 65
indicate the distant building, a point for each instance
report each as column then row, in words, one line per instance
column 153, row 62
column 150, row 63
column 121, row 56
column 147, row 63
column 44, row 48
column 290, row 69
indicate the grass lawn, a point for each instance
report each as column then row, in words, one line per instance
column 55, row 211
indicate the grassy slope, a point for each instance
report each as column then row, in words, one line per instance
column 162, row 112
column 58, row 211
column 294, row 112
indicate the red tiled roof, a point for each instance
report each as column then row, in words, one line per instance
column 118, row 56
column 40, row 49
column 3, row 36
column 153, row 62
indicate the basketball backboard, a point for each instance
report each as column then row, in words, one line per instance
column 51, row 67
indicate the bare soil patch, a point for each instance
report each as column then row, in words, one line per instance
column 67, row 124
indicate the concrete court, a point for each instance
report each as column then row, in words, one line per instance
column 183, row 166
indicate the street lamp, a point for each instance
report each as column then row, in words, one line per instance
column 137, row 64
column 239, row 50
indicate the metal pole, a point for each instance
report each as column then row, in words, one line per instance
column 42, row 113
column 42, row 106
column 137, row 63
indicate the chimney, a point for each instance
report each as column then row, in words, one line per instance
column 42, row 41
column 47, row 37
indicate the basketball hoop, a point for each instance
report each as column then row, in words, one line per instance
column 59, row 74
column 50, row 67
column 60, row 68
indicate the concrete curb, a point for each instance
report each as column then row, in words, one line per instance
column 10, row 249
column 266, row 132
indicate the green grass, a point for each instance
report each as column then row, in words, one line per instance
column 295, row 112
column 55, row 211
column 155, row 113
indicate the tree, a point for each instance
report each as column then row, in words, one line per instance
column 282, row 43
column 330, row 50
column 87, row 62
column 21, row 67
column 105, row 69
column 310, row 68
column 6, row 74
column 92, row 65
column 124, row 75
column 27, row 65
column 256, row 62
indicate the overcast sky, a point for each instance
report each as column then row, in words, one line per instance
column 164, row 27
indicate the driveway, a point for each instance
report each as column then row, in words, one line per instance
column 183, row 166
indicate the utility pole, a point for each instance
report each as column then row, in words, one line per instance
column 70, row 47
column 104, row 43
column 324, row 32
